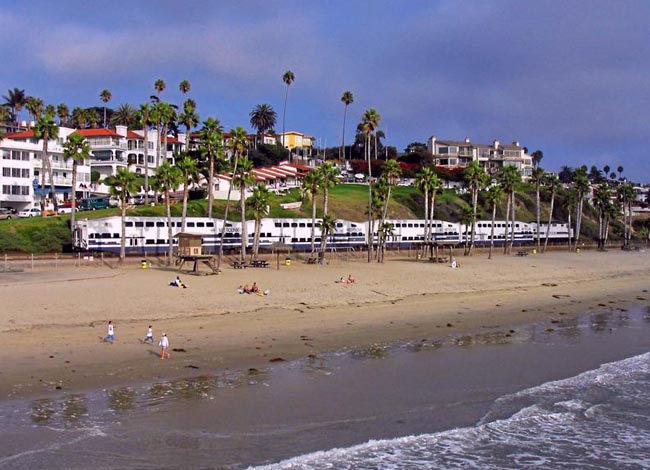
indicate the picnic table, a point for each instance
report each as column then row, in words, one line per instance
column 439, row 259
column 312, row 260
column 238, row 264
column 522, row 253
column 259, row 263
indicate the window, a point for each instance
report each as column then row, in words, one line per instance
column 200, row 224
column 209, row 224
column 190, row 224
column 278, row 224
column 294, row 224
column 302, row 224
column 128, row 224
column 285, row 224
column 139, row 224
column 149, row 224
column 6, row 172
column 160, row 224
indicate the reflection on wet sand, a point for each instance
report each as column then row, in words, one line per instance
column 121, row 399
column 71, row 409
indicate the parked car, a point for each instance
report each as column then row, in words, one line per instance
column 5, row 213
column 32, row 212
column 94, row 202
column 67, row 210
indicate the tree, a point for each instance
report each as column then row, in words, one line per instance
column 105, row 96
column 626, row 196
column 347, row 98
column 259, row 204
column 327, row 227
column 494, row 196
column 606, row 169
column 385, row 230
column 63, row 112
column 167, row 179
column 311, row 184
column 165, row 115
column 537, row 179
column 159, row 85
column 369, row 123
column 242, row 179
column 620, row 171
column 184, row 86
column 121, row 184
column 34, row 107
column 537, row 156
column 47, row 129
column 467, row 219
column 79, row 118
column 569, row 204
column 509, row 178
column 237, row 144
column 288, row 79
column 190, row 174
column 189, row 119
column 211, row 136
column 15, row 99
column 476, row 179
column 581, row 186
column 566, row 174
column 602, row 200
column 263, row 118
column 144, row 119
column 125, row 115
column 553, row 182
column 93, row 117
column 77, row 149
column 328, row 178
column 391, row 172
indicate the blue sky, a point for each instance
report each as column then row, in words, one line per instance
column 567, row 77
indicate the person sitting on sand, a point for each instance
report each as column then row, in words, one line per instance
column 254, row 288
column 178, row 283
column 454, row 263
column 246, row 289
column 351, row 280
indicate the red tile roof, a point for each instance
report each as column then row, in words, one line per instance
column 133, row 135
column 97, row 133
column 21, row 135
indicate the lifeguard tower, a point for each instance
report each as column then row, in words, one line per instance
column 190, row 248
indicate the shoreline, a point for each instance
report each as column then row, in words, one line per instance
column 54, row 340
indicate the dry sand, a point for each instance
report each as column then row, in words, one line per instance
column 52, row 322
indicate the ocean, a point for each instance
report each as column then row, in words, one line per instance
column 571, row 394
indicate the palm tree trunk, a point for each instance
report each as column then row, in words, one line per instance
column 606, row 230
column 244, row 231
column 73, row 195
column 44, row 161
column 505, row 238
column 146, row 164
column 225, row 216
column 432, row 211
column 538, row 213
column 256, row 237
column 123, row 238
column 211, row 186
column 284, row 115
column 170, row 238
column 342, row 152
column 370, row 235
column 512, row 222
column 550, row 219
column 323, row 244
column 474, row 210
column 426, row 216
column 494, row 215
column 578, row 221
column 313, row 224
column 569, row 225
column 185, row 196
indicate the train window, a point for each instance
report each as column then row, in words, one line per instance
column 106, row 235
column 409, row 225
column 139, row 224
column 303, row 239
column 339, row 224
column 190, row 224
column 294, row 224
column 116, row 235
column 159, row 224
column 128, row 224
column 294, row 240
column 517, row 225
column 160, row 241
column 285, row 224
column 301, row 224
column 150, row 242
column 148, row 224
column 278, row 224
column 200, row 224
column 422, row 225
column 209, row 224
column 317, row 239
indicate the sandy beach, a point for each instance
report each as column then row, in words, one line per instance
column 52, row 322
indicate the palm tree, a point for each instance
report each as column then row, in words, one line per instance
column 189, row 119
column 494, row 196
column 124, row 115
column 569, row 204
column 347, row 98
column 159, row 85
column 424, row 184
column 263, row 119
column 184, row 86
column 581, row 186
column 259, row 203
column 76, row 148
column 391, row 173
column 63, row 112
column 288, row 79
column 15, row 99
column 620, row 171
column 211, row 137
column 47, row 129
column 79, row 118
column 166, row 115
column 537, row 156
column 93, row 117
column 189, row 171
column 467, row 219
column 385, row 230
column 168, row 178
column 105, row 96
column 538, row 178
column 327, row 227
column 144, row 119
column 606, row 169
column 510, row 176
column 5, row 116
column 476, row 179
column 237, row 144
column 243, row 179
column 626, row 196
column 328, row 178
column 553, row 182
column 369, row 123
column 121, row 184
column 34, row 107
column 312, row 183
column 602, row 199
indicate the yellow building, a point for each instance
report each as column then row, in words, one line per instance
column 296, row 140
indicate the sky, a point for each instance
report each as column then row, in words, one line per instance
column 567, row 77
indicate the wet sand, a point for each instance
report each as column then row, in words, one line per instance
column 51, row 322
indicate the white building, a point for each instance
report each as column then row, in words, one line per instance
column 453, row 154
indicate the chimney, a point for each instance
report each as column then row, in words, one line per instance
column 121, row 130
column 496, row 144
column 467, row 140
column 515, row 143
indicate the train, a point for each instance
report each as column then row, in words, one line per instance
column 149, row 235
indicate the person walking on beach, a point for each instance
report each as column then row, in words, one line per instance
column 149, row 337
column 164, row 347
column 110, row 337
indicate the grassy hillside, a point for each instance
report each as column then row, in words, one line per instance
column 347, row 201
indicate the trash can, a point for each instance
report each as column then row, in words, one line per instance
column 144, row 264
column 535, row 251
column 287, row 261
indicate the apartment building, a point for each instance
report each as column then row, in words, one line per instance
column 452, row 154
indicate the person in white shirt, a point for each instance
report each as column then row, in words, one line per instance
column 164, row 347
column 149, row 337
column 110, row 337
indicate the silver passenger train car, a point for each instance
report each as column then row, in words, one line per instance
column 149, row 235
